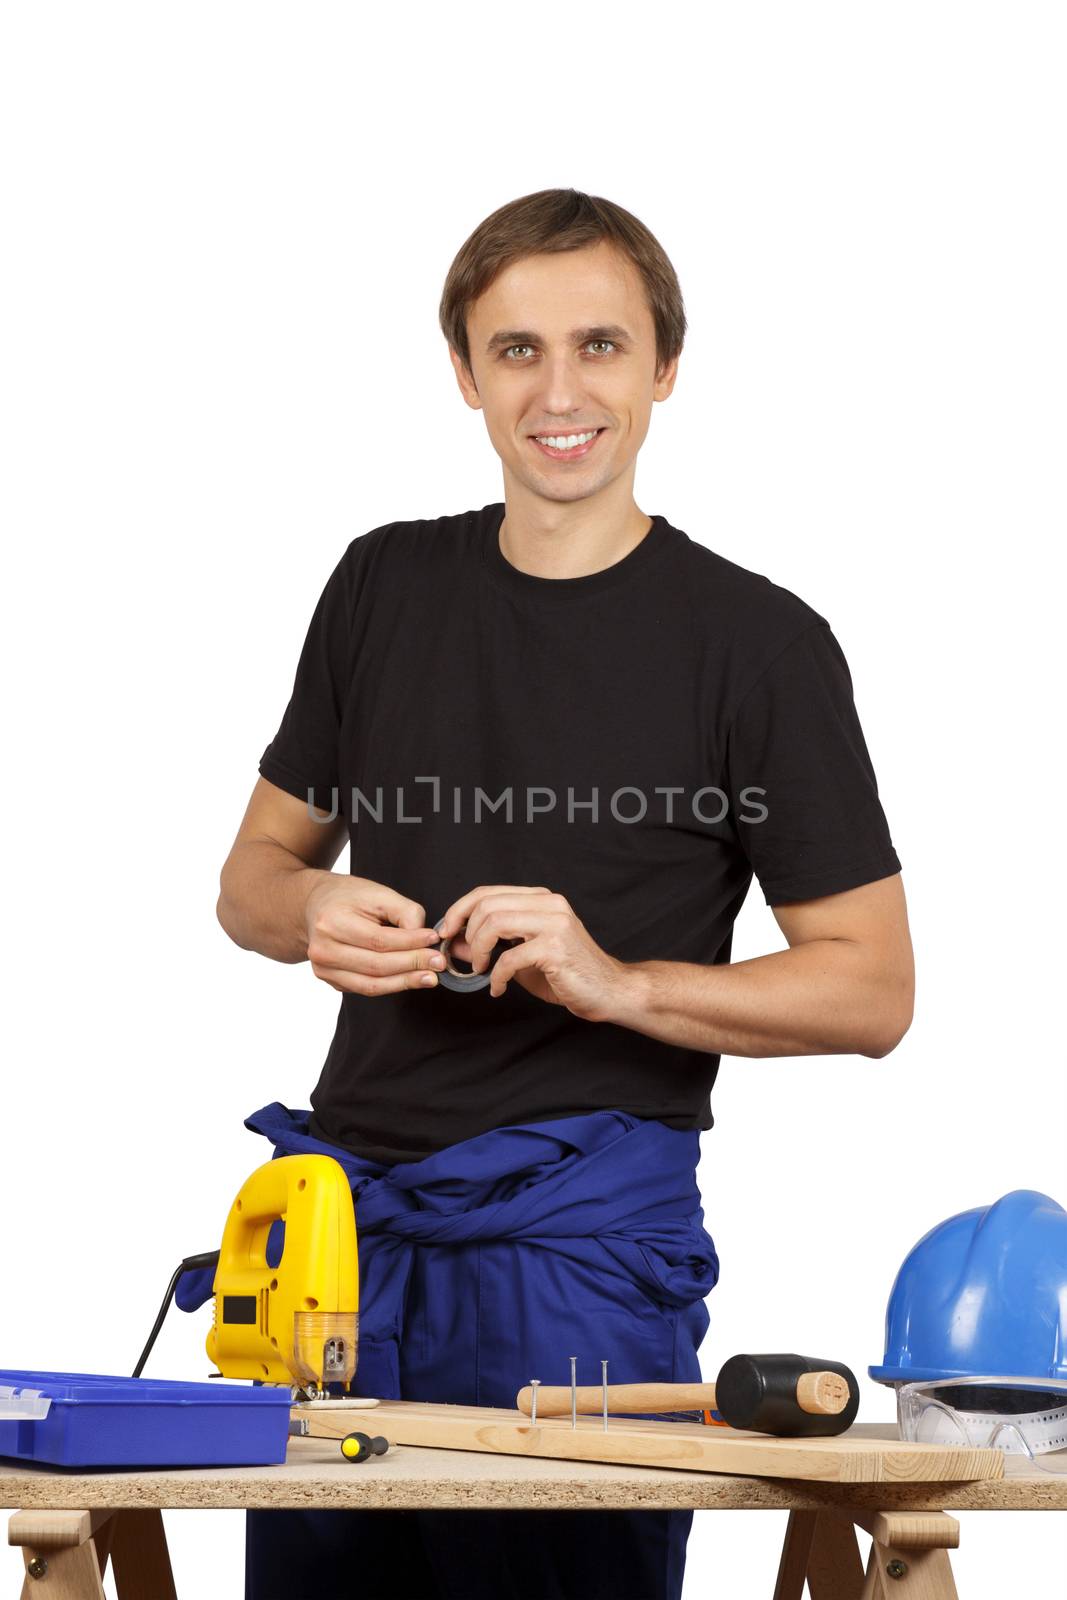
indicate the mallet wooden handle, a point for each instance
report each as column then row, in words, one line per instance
column 819, row 1393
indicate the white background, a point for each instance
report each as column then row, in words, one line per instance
column 227, row 228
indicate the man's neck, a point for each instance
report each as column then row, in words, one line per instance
column 571, row 544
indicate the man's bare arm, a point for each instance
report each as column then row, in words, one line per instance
column 280, row 899
column 278, row 857
column 846, row 985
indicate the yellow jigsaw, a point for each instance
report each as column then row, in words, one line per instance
column 296, row 1322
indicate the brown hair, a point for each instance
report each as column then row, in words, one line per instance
column 553, row 220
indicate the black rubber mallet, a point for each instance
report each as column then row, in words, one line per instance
column 789, row 1396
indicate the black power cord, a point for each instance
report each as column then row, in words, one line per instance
column 210, row 1258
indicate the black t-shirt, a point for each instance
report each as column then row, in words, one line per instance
column 705, row 712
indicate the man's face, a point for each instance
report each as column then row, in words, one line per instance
column 562, row 345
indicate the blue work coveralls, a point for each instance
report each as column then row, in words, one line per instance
column 481, row 1266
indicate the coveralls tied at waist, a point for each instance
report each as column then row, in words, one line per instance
column 603, row 1205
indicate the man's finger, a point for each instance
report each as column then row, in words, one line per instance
column 363, row 983
column 507, row 922
column 511, row 962
column 325, row 951
column 458, row 912
column 484, row 923
column 349, row 925
column 381, row 901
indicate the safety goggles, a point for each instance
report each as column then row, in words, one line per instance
column 1020, row 1416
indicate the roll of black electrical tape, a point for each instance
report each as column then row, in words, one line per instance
column 452, row 977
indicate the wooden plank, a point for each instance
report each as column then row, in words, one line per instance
column 53, row 1530
column 67, row 1574
column 913, row 1530
column 793, row 1562
column 900, row 1573
column 639, row 1442
column 140, row 1558
column 835, row 1566
column 66, row 1550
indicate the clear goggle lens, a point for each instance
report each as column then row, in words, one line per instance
column 1020, row 1416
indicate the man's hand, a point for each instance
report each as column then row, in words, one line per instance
column 557, row 960
column 352, row 947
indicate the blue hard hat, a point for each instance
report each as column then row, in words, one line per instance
column 983, row 1293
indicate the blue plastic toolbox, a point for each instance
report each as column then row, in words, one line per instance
column 89, row 1419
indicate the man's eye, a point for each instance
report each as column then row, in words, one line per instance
column 512, row 347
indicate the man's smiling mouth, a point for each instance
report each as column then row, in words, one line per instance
column 573, row 452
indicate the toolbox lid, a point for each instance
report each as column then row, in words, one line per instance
column 99, row 1388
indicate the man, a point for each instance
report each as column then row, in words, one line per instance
column 570, row 735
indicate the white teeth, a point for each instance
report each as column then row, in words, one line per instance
column 569, row 442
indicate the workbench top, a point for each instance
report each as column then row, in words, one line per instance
column 314, row 1475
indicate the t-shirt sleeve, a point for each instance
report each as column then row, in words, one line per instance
column 303, row 756
column 796, row 736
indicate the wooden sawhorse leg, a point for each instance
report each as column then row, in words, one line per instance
column 66, row 1554
column 908, row 1560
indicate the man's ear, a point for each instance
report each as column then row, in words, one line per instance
column 665, row 381
column 465, row 379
